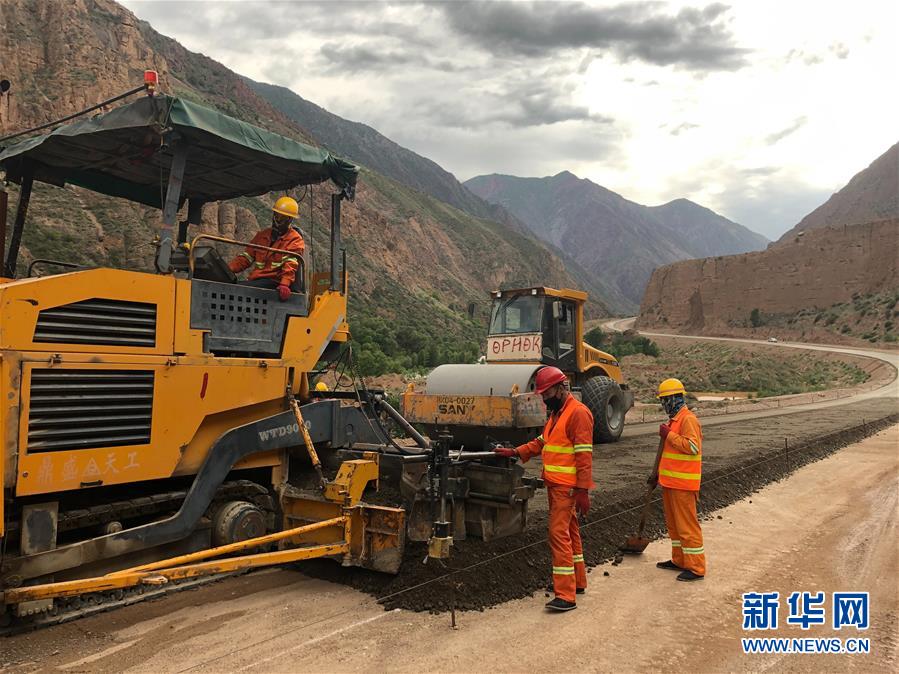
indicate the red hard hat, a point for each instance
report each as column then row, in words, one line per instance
column 547, row 377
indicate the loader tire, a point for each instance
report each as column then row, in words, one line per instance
column 605, row 400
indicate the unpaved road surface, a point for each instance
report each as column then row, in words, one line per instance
column 830, row 526
column 742, row 453
column 738, row 458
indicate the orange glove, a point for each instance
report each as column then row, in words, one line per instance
column 581, row 501
column 284, row 293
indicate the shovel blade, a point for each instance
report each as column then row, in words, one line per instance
column 634, row 545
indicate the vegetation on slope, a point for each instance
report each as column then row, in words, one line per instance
column 870, row 318
column 762, row 371
column 621, row 344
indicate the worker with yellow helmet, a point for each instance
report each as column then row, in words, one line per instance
column 678, row 470
column 270, row 269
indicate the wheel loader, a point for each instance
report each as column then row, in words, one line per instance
column 158, row 428
column 494, row 401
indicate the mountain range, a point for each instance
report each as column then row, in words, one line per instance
column 416, row 261
column 648, row 236
column 421, row 243
column 619, row 241
column 368, row 146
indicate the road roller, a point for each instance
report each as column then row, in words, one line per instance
column 494, row 400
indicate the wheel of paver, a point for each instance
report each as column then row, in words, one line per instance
column 237, row 521
column 604, row 399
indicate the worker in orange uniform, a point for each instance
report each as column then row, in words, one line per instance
column 274, row 270
column 566, row 448
column 679, row 470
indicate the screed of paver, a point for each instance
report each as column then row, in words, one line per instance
column 830, row 526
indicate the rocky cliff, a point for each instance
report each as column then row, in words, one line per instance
column 617, row 240
column 810, row 273
column 872, row 194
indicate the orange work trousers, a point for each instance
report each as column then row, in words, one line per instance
column 683, row 529
column 569, row 571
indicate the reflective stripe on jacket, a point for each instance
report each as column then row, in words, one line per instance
column 681, row 463
column 566, row 446
column 268, row 264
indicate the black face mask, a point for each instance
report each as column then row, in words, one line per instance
column 553, row 404
column 280, row 225
column 672, row 404
column 278, row 230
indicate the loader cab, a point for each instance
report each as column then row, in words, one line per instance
column 535, row 325
column 560, row 334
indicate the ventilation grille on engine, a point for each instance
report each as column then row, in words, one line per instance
column 98, row 321
column 86, row 409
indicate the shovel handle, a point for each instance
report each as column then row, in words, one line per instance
column 646, row 505
column 651, row 488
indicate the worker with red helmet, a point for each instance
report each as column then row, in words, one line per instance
column 566, row 448
column 678, row 469
column 270, row 269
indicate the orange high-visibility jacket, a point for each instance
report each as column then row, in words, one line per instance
column 681, row 463
column 267, row 264
column 566, row 446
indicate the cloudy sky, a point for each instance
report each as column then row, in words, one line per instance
column 757, row 109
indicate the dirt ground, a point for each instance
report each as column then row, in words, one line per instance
column 635, row 619
column 739, row 457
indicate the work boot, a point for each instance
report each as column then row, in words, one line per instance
column 559, row 604
column 687, row 575
column 668, row 565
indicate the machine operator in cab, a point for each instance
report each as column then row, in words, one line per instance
column 269, row 269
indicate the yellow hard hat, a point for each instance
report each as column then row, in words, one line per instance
column 321, row 386
column 671, row 387
column 287, row 206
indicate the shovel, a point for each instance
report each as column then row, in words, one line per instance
column 635, row 545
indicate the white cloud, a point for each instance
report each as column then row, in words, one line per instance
column 758, row 109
